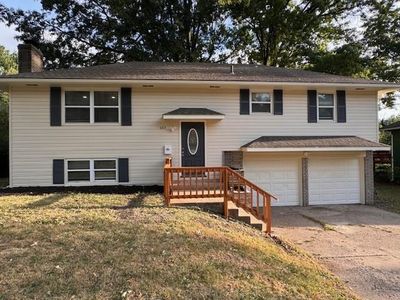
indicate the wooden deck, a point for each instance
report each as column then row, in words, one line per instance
column 216, row 185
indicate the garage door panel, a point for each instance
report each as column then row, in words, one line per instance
column 278, row 176
column 334, row 180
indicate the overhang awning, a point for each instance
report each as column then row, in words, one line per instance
column 312, row 143
column 193, row 114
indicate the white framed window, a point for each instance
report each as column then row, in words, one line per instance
column 91, row 106
column 77, row 107
column 106, row 107
column 91, row 170
column 261, row 102
column 326, row 106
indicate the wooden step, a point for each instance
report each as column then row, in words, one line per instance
column 244, row 219
column 241, row 215
column 233, row 213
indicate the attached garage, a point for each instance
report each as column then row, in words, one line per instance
column 312, row 170
column 335, row 180
column 277, row 174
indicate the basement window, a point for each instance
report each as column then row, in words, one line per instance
column 91, row 106
column 92, row 170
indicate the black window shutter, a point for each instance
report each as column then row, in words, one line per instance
column 123, row 170
column 278, row 102
column 58, row 171
column 341, row 106
column 312, row 106
column 55, row 106
column 244, row 102
column 126, row 106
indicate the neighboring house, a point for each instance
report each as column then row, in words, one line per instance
column 394, row 130
column 306, row 137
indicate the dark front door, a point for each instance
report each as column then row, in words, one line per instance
column 192, row 144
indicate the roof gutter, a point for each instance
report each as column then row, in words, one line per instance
column 391, row 129
column 314, row 149
column 387, row 87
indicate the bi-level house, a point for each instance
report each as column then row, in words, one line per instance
column 306, row 137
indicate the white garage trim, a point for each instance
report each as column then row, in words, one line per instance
column 276, row 173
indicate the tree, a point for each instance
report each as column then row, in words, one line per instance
column 283, row 32
column 81, row 33
column 382, row 39
column 8, row 65
column 346, row 60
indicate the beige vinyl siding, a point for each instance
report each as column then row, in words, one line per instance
column 34, row 144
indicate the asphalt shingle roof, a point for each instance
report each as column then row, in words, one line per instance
column 193, row 72
column 312, row 142
column 192, row 112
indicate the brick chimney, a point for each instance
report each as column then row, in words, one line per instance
column 30, row 59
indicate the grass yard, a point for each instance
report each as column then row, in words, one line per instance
column 95, row 246
column 388, row 196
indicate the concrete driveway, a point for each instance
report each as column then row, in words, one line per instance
column 360, row 244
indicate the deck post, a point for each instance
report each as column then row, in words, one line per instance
column 225, row 176
column 167, row 180
column 267, row 212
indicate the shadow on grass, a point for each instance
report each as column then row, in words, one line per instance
column 142, row 200
column 46, row 201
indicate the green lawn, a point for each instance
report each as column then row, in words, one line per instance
column 388, row 196
column 94, row 246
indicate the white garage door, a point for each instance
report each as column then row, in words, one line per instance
column 278, row 176
column 334, row 181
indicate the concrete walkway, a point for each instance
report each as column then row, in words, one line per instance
column 360, row 244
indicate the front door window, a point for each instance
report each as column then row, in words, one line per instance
column 193, row 141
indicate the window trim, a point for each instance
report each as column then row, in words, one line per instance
column 271, row 94
column 91, row 107
column 333, row 107
column 92, row 180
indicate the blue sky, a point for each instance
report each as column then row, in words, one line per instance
column 7, row 33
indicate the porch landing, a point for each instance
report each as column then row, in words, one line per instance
column 196, row 200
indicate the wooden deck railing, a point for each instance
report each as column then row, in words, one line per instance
column 216, row 182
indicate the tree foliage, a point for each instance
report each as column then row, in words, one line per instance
column 346, row 60
column 382, row 38
column 76, row 33
column 283, row 32
column 313, row 34
column 8, row 65
column 384, row 136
